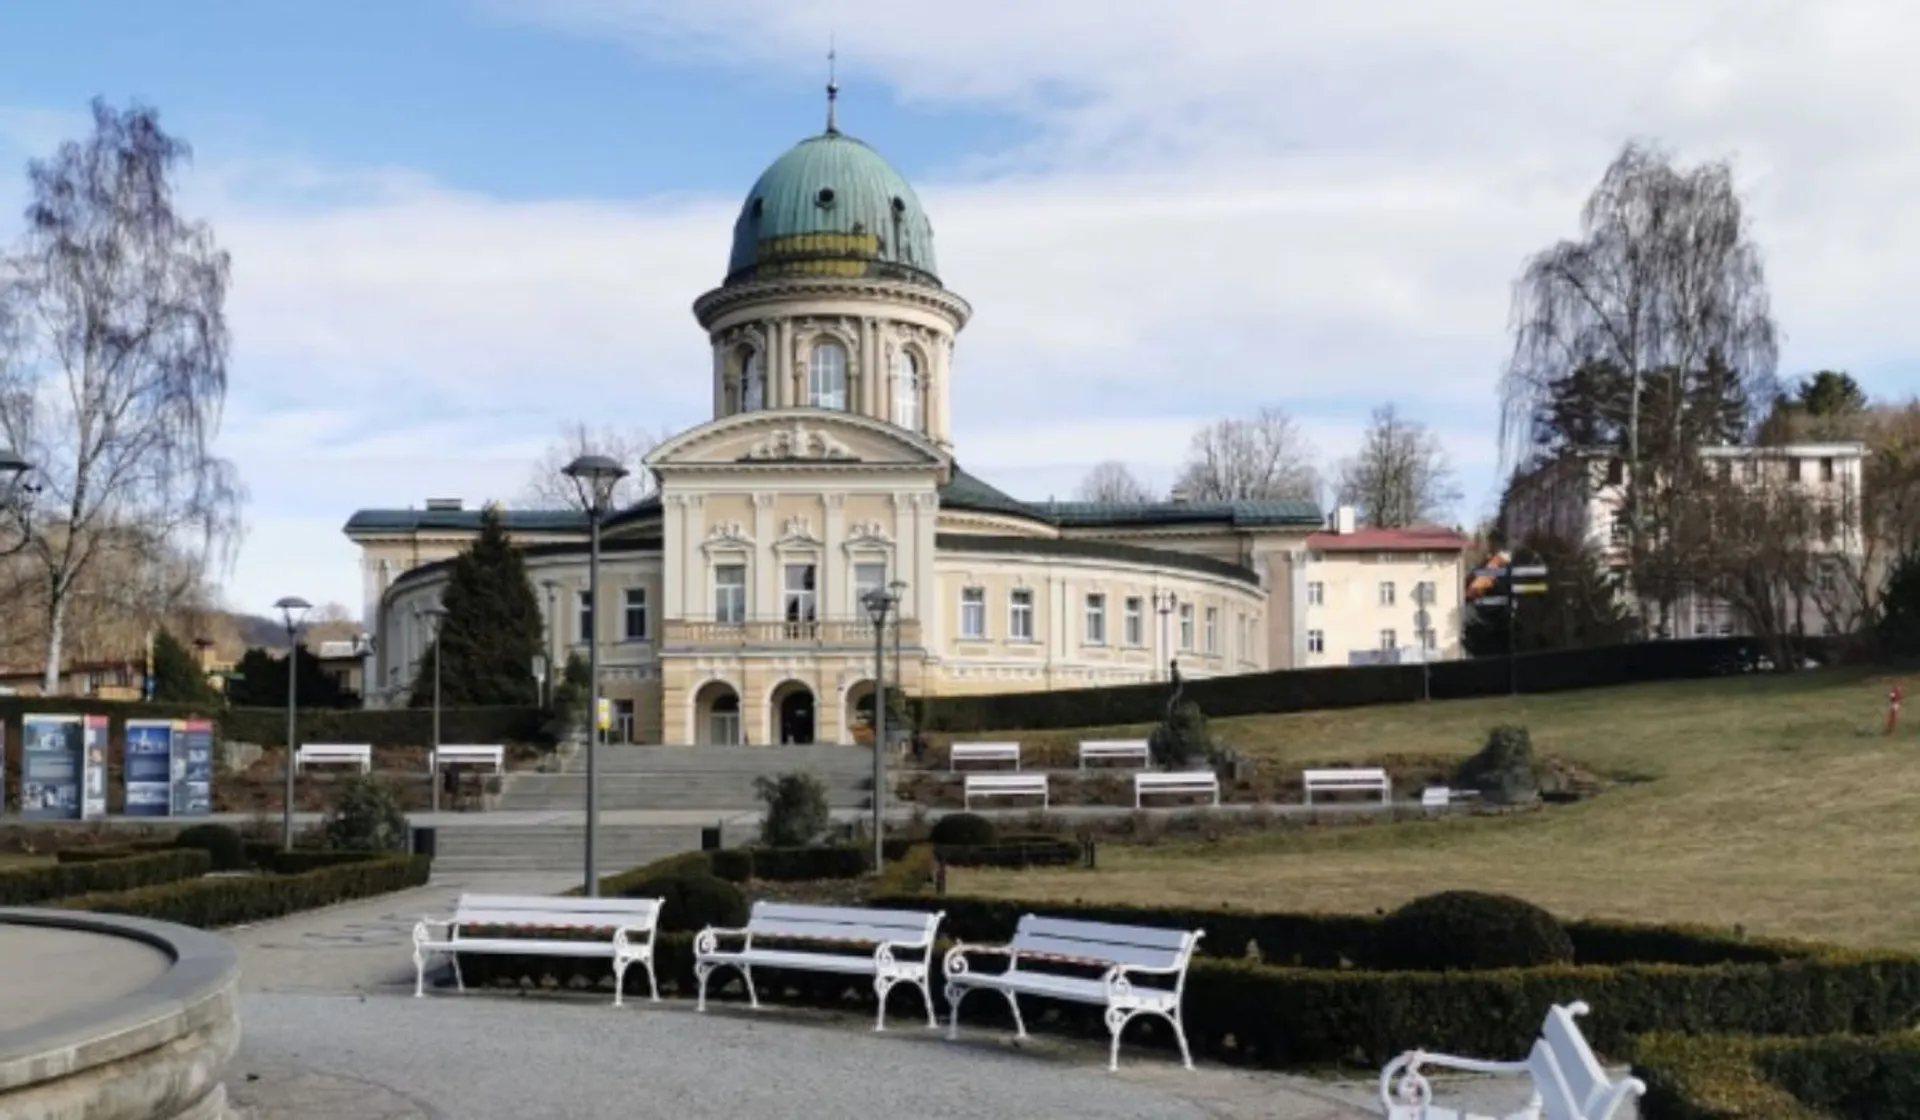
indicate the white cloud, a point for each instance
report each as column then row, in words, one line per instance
column 1224, row 205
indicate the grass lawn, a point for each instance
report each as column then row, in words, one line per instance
column 9, row 860
column 1772, row 803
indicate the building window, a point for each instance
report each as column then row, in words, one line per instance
column 1020, row 614
column 1829, row 523
column 1389, row 640
column 827, row 375
column 1186, row 627
column 723, row 721
column 1426, row 639
column 623, row 721
column 1096, row 620
column 1316, row 641
column 1213, row 630
column 868, row 577
column 1386, row 593
column 800, row 609
column 730, row 595
column 583, row 622
column 1316, row 594
column 973, row 612
column 1829, row 578
column 1616, row 472
column 753, row 383
column 1617, row 526
column 1135, row 622
column 1826, row 469
column 1793, row 470
column 636, row 614
column 906, row 389
column 1423, row 592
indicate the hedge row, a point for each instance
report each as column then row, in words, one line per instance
column 847, row 861
column 36, row 886
column 1295, row 690
column 214, row 903
column 1718, row 1077
column 382, row 727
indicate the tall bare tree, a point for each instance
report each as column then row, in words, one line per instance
column 1664, row 285
column 547, row 488
column 1401, row 475
column 1262, row 458
column 1112, row 481
column 114, row 371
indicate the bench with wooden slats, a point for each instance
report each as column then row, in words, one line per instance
column 1569, row 1083
column 982, row 752
column 620, row 929
column 1144, row 972
column 334, row 754
column 892, row 946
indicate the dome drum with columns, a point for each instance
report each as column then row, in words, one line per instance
column 732, row 598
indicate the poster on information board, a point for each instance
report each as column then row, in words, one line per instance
column 149, row 770
column 93, row 770
column 193, row 768
column 50, row 767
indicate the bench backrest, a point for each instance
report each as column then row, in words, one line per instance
column 1138, row 946
column 572, row 913
column 977, row 782
column 1436, row 795
column 476, row 749
column 335, row 750
column 1350, row 774
column 1113, row 746
column 1580, row 1071
column 1180, row 778
column 984, row 750
column 842, row 923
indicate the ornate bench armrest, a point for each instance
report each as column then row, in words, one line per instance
column 956, row 962
column 1415, row 1091
column 708, row 939
column 423, row 931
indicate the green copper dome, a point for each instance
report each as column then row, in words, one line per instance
column 831, row 206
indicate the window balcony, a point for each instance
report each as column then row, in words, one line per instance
column 825, row 634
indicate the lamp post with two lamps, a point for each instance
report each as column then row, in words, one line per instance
column 433, row 617
column 1165, row 602
column 293, row 609
column 879, row 602
column 595, row 477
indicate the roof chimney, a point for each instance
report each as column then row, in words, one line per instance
column 446, row 505
column 1178, row 495
column 1343, row 520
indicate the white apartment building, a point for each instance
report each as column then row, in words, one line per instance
column 1367, row 596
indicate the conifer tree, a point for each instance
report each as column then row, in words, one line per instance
column 491, row 630
column 177, row 677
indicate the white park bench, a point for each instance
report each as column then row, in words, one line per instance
column 1114, row 750
column 1187, row 781
column 620, row 929
column 334, row 754
column 1347, row 780
column 983, row 752
column 1440, row 797
column 470, row 754
column 1568, row 1081
column 902, row 942
column 1145, row 972
column 1005, row 785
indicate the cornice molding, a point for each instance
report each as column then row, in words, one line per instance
column 712, row 305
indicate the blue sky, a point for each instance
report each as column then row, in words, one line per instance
column 459, row 225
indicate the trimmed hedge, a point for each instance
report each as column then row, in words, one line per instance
column 1709, row 1077
column 36, row 886
column 382, row 727
column 93, row 855
column 214, row 903
column 1014, row 851
column 1298, row 690
column 302, row 860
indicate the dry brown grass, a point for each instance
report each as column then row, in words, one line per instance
column 1770, row 803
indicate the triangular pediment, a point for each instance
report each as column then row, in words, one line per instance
column 789, row 438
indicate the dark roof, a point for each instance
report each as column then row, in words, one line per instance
column 968, row 492
column 615, row 547
column 524, row 521
column 1093, row 550
column 1418, row 539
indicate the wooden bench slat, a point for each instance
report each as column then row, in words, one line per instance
column 1157, row 937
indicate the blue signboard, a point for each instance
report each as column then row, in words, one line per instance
column 50, row 774
column 193, row 769
column 149, row 771
column 93, row 770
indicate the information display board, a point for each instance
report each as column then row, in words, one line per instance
column 149, row 770
column 93, row 769
column 51, row 763
column 193, row 768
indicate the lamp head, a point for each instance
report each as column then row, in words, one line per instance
column 595, row 477
column 878, row 603
column 293, row 609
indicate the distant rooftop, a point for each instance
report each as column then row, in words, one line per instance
column 1426, row 538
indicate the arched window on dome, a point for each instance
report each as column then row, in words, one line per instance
column 753, row 383
column 906, row 389
column 827, row 375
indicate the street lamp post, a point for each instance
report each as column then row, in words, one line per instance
column 292, row 610
column 899, row 589
column 594, row 477
column 553, row 621
column 878, row 602
column 1422, row 621
column 1164, row 602
column 434, row 616
column 1522, row 579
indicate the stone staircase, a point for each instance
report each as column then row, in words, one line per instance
column 484, row 847
column 678, row 778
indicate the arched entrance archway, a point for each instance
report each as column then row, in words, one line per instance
column 793, row 713
column 859, row 709
column 716, row 715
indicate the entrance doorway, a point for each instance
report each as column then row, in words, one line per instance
column 793, row 713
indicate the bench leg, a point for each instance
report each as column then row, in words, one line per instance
column 882, row 984
column 702, row 970
column 1117, row 1020
column 955, row 993
column 753, row 997
column 419, row 971
column 1019, row 1024
column 458, row 980
column 619, row 979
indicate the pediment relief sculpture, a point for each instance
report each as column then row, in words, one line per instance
column 798, row 442
column 728, row 534
column 798, row 529
column 868, row 533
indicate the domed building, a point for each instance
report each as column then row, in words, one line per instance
column 735, row 593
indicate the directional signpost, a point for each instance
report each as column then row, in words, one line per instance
column 1513, row 581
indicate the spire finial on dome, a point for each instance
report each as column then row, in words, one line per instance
column 833, row 90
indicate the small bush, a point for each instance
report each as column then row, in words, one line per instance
column 692, row 901
column 787, row 865
column 1470, row 931
column 218, row 841
column 1505, row 771
column 796, row 810
column 1017, row 855
column 910, row 874
column 963, row 828
column 366, row 816
column 1182, row 742
column 735, row 865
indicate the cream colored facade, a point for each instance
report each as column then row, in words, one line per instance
column 732, row 600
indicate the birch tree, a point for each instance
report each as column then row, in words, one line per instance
column 114, row 370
